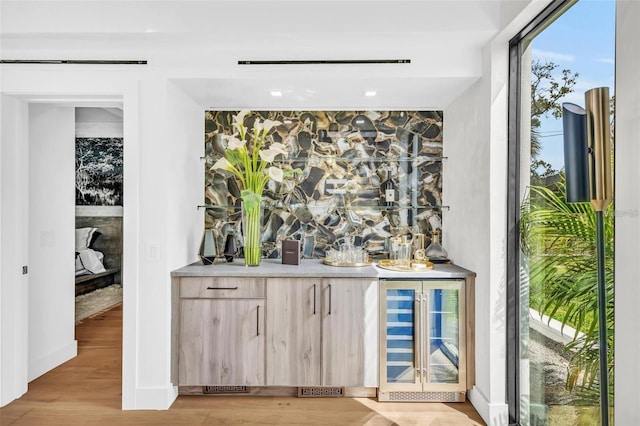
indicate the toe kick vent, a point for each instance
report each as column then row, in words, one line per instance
column 320, row 392
column 219, row 390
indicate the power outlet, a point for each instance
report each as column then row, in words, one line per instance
column 25, row 270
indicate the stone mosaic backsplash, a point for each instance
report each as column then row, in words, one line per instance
column 344, row 157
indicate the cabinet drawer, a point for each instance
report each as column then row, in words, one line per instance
column 222, row 288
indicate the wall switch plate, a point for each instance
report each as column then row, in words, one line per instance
column 153, row 252
column 25, row 270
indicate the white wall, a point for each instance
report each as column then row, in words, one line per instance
column 475, row 135
column 185, row 222
column 51, row 237
column 14, row 232
column 475, row 168
column 185, row 120
column 627, row 219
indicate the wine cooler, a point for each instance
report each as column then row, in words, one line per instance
column 422, row 340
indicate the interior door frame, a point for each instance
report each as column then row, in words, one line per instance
column 14, row 375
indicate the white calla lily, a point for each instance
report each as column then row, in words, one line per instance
column 257, row 126
column 222, row 164
column 279, row 148
column 252, row 174
column 268, row 155
column 269, row 124
column 235, row 143
column 238, row 121
column 275, row 173
column 239, row 118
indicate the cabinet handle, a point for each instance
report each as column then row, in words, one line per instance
column 314, row 299
column 416, row 336
column 222, row 288
column 329, row 299
column 258, row 321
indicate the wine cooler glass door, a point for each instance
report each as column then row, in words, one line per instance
column 401, row 334
column 443, row 329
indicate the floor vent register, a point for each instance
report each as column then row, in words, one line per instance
column 215, row 390
column 320, row 392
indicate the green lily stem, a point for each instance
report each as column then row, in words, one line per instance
column 252, row 237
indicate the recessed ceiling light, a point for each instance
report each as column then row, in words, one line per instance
column 370, row 93
column 276, row 93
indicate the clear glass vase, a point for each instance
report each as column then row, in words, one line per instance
column 435, row 251
column 252, row 233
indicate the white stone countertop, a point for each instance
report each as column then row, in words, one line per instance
column 313, row 268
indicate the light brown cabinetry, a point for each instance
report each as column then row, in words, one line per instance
column 322, row 332
column 221, row 331
column 293, row 327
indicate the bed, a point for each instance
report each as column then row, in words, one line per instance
column 93, row 268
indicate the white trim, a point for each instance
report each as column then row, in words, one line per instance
column 130, row 244
column 627, row 218
column 50, row 361
column 492, row 414
column 155, row 398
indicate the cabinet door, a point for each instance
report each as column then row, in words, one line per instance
column 349, row 332
column 293, row 324
column 221, row 342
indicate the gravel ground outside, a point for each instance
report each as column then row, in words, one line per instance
column 551, row 402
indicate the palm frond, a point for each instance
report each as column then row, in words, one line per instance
column 559, row 241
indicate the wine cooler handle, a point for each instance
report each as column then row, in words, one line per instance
column 426, row 338
column 417, row 317
column 329, row 299
column 314, row 299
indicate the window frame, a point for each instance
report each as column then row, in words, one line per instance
column 517, row 45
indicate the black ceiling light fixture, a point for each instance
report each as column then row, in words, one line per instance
column 325, row 62
column 73, row 61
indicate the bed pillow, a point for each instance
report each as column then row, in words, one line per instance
column 83, row 238
column 92, row 261
column 94, row 237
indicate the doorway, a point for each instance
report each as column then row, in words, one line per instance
column 54, row 228
column 99, row 163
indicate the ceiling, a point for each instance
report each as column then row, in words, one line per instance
column 197, row 45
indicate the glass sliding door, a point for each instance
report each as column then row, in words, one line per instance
column 553, row 359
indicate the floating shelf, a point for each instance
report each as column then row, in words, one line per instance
column 316, row 158
column 313, row 207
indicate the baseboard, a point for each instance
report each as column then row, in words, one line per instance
column 155, row 398
column 492, row 414
column 50, row 361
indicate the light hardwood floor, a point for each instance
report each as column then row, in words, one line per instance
column 87, row 391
